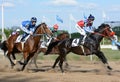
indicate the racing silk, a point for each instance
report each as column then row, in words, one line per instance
column 27, row 27
column 80, row 30
column 55, row 33
column 88, row 29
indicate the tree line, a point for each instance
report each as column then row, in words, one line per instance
column 8, row 31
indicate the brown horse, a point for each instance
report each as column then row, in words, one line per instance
column 91, row 46
column 30, row 46
column 61, row 36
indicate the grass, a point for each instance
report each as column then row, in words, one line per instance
column 111, row 55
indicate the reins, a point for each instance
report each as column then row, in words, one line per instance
column 44, row 33
column 101, row 33
column 38, row 34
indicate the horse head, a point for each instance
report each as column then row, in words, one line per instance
column 12, row 38
column 105, row 30
column 43, row 29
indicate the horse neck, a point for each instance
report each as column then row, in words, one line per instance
column 13, row 37
column 37, row 38
column 98, row 38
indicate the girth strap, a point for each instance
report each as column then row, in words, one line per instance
column 83, row 49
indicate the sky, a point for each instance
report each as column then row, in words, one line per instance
column 70, row 11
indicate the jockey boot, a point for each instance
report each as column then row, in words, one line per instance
column 23, row 39
column 82, row 39
column 49, row 41
column 18, row 39
column 24, row 36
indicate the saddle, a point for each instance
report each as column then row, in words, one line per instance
column 78, row 41
column 20, row 37
column 43, row 44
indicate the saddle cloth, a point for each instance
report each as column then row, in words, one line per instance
column 43, row 45
column 75, row 42
column 20, row 37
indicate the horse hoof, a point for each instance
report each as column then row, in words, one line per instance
column 109, row 67
column 12, row 66
column 45, row 53
column 20, row 63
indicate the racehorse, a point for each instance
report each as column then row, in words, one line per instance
column 60, row 37
column 90, row 47
column 30, row 46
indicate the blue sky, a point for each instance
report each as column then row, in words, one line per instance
column 15, row 11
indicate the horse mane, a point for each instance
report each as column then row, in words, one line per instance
column 38, row 26
column 103, row 25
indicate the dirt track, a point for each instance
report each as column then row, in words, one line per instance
column 79, row 71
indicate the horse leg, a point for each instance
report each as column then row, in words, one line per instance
column 11, row 62
column 34, row 59
column 27, row 58
column 100, row 55
column 63, row 53
column 20, row 61
column 61, row 64
column 56, row 61
column 14, row 58
column 66, row 63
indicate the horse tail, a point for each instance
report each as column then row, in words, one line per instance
column 50, row 47
column 3, row 47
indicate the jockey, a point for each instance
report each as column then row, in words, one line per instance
column 79, row 26
column 17, row 31
column 85, row 27
column 28, row 27
column 54, row 30
column 89, row 24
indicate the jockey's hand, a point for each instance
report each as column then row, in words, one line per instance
column 92, row 32
column 31, row 33
column 55, row 39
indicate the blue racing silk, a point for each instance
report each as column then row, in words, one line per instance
column 27, row 27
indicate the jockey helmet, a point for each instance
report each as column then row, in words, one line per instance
column 81, row 23
column 91, row 17
column 33, row 19
column 55, row 26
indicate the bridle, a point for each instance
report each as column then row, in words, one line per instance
column 104, row 30
column 44, row 32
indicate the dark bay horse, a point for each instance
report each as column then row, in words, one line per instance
column 30, row 46
column 91, row 46
column 54, row 51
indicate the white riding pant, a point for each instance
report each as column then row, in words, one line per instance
column 80, row 30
